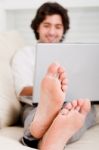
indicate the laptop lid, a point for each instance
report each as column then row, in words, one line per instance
column 81, row 62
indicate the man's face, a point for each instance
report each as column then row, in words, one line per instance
column 51, row 29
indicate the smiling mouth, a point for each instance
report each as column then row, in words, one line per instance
column 51, row 39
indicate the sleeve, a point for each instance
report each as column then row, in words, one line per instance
column 23, row 68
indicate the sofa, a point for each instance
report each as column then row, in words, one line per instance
column 10, row 108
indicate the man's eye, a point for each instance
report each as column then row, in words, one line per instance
column 58, row 27
column 46, row 26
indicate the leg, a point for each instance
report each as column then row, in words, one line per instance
column 53, row 89
column 66, row 124
column 27, row 116
column 96, row 107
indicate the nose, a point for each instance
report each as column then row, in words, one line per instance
column 52, row 31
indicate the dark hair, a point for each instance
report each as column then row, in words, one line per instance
column 50, row 9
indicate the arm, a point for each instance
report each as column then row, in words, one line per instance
column 23, row 70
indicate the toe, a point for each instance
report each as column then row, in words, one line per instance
column 53, row 69
column 86, row 106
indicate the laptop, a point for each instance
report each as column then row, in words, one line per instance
column 81, row 62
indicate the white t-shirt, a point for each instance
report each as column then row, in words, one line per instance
column 23, row 68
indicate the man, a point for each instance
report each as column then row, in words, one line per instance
column 50, row 26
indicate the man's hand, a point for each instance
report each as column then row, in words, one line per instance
column 27, row 91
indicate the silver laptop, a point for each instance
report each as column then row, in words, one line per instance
column 81, row 62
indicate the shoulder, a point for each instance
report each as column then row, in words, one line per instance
column 24, row 53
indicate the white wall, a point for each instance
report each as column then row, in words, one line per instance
column 84, row 25
column 35, row 3
column 2, row 20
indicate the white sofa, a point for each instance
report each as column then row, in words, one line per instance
column 10, row 133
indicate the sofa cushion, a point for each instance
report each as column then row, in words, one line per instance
column 10, row 144
column 13, row 132
column 9, row 42
column 9, row 105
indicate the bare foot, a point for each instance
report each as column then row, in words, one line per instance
column 53, row 90
column 65, row 125
column 82, row 105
